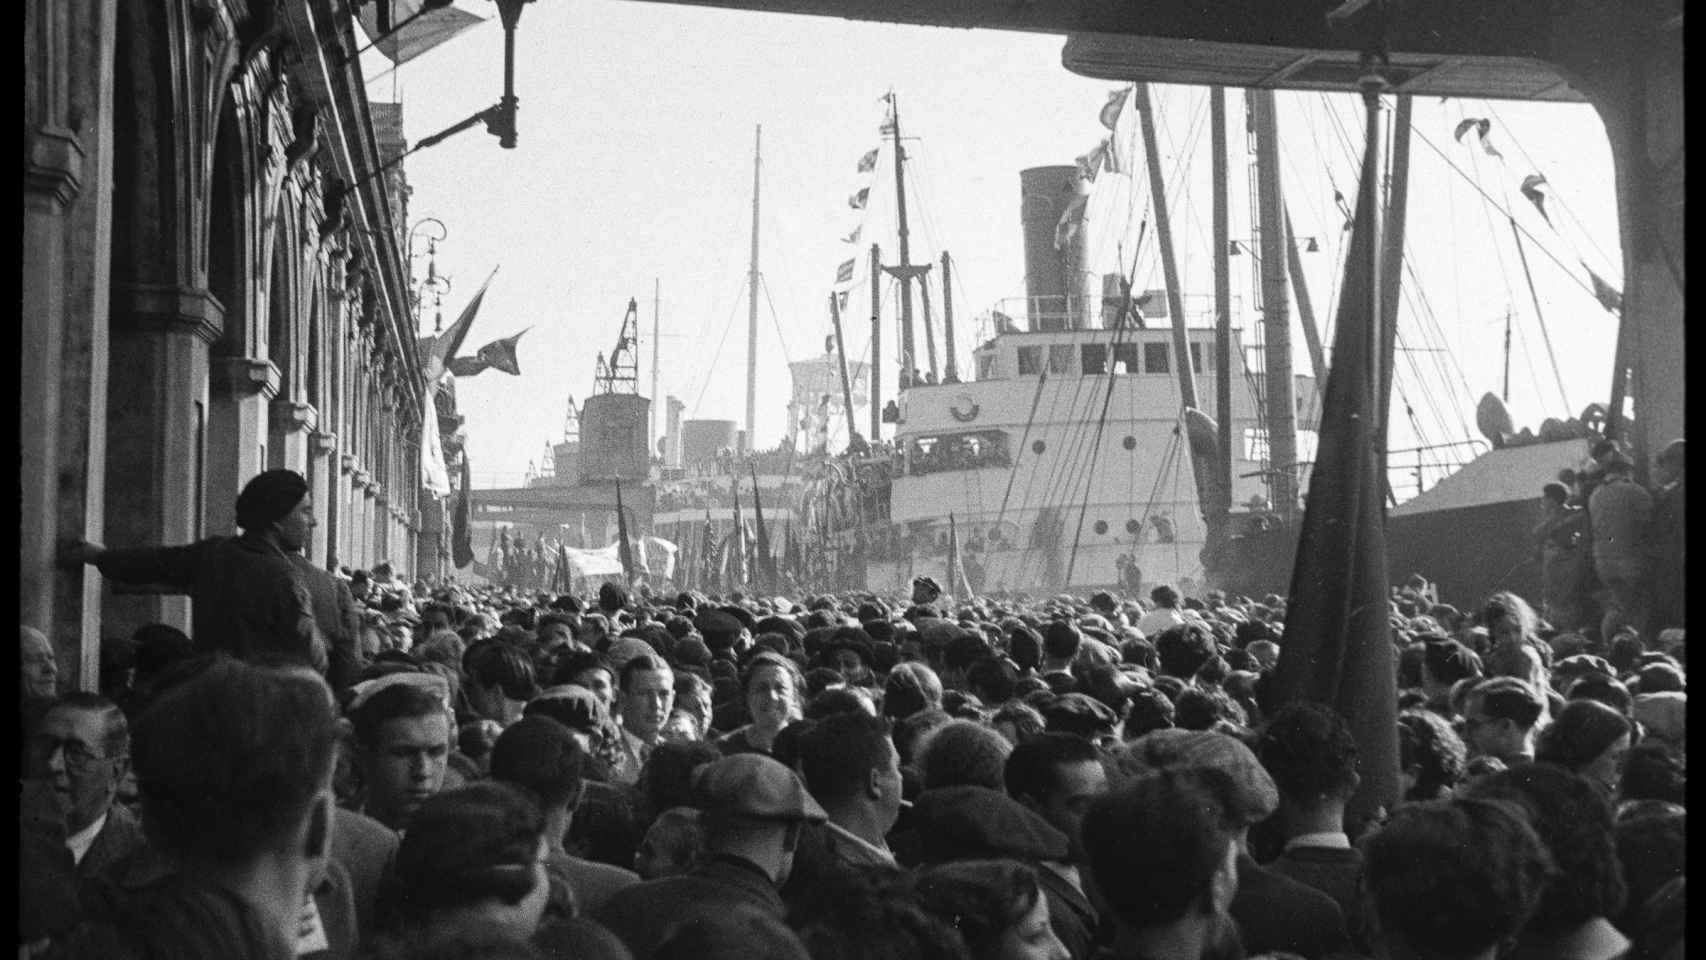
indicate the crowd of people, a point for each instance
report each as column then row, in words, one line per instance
column 1612, row 551
column 360, row 768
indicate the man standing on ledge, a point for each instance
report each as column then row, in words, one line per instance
column 246, row 595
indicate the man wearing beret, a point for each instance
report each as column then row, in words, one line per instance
column 247, row 596
column 754, row 809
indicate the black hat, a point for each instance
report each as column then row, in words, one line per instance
column 970, row 822
column 718, row 628
column 880, row 631
column 1079, row 713
column 269, row 497
column 847, row 638
column 786, row 626
column 747, row 620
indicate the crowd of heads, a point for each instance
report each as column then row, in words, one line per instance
column 855, row 776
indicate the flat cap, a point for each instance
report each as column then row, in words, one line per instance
column 572, row 705
column 1255, row 795
column 1079, row 713
column 754, row 786
column 971, row 822
column 742, row 614
column 623, row 649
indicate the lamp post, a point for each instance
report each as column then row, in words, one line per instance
column 434, row 282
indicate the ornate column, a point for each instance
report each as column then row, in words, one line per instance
column 291, row 422
column 349, row 512
column 323, row 475
column 361, row 535
column 157, row 443
column 375, row 521
column 239, row 391
column 67, row 240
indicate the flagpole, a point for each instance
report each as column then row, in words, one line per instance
column 752, row 303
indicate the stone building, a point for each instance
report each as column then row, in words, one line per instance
column 214, row 283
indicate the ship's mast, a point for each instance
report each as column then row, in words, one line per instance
column 1281, row 408
column 1392, row 269
column 1218, row 521
column 752, row 302
column 906, row 271
column 657, row 298
column 1164, row 236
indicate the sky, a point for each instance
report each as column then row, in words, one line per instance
column 633, row 174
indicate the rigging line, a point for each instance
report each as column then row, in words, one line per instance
column 1018, row 454
column 1558, row 202
column 1545, row 334
column 1414, row 288
column 1095, row 456
column 774, row 322
column 1568, row 271
column 1528, row 361
column 712, row 366
column 1072, row 462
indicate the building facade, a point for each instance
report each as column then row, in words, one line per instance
column 214, row 284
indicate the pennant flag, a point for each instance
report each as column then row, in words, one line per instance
column 844, row 273
column 841, row 299
column 497, row 355
column 1482, row 126
column 868, row 162
column 413, row 27
column 1338, row 645
column 434, row 477
column 1531, row 185
column 1608, row 296
column 857, row 201
column 461, row 538
column 1116, row 158
column 1070, row 220
column 1003, row 323
column 1090, row 164
column 854, row 236
column 1110, row 115
column 958, row 584
column 436, row 351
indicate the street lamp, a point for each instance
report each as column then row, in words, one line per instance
column 433, row 281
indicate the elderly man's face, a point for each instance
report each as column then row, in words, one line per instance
column 70, row 752
column 40, row 669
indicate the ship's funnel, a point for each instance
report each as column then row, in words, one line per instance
column 1058, row 284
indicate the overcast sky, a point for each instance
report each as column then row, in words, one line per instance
column 635, row 166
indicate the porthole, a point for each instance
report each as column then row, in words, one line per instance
column 1038, row 447
column 1130, row 443
column 1101, row 527
column 1132, row 526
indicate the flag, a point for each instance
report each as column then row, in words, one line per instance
column 738, row 575
column 790, row 553
column 868, row 162
column 1003, row 323
column 1116, row 158
column 1070, row 220
column 1482, row 126
column 461, row 538
column 1531, row 185
column 841, row 299
column 1090, row 164
column 857, row 201
column 624, row 549
column 958, row 585
column 708, row 554
column 1608, row 296
column 854, row 236
column 436, row 351
column 844, row 273
column 765, row 569
column 1110, row 115
column 497, row 355
column 411, row 29
column 434, row 477
column 1338, row 646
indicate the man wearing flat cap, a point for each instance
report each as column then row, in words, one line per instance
column 1272, row 912
column 754, row 809
column 247, row 595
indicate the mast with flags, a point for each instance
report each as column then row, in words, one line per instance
column 1338, row 648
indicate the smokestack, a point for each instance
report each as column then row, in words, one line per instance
column 1060, row 290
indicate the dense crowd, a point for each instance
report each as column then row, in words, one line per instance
column 357, row 767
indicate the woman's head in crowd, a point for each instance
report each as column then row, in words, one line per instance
column 473, row 858
column 996, row 906
column 1589, row 738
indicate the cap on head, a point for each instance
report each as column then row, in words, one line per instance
column 269, row 497
column 756, row 787
column 1255, row 795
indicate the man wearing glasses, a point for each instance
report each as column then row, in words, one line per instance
column 81, row 752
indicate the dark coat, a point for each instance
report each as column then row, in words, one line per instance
column 366, row 849
column 119, row 838
column 1070, row 914
column 247, row 597
column 647, row 914
column 1277, row 913
column 1333, row 871
column 339, row 620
